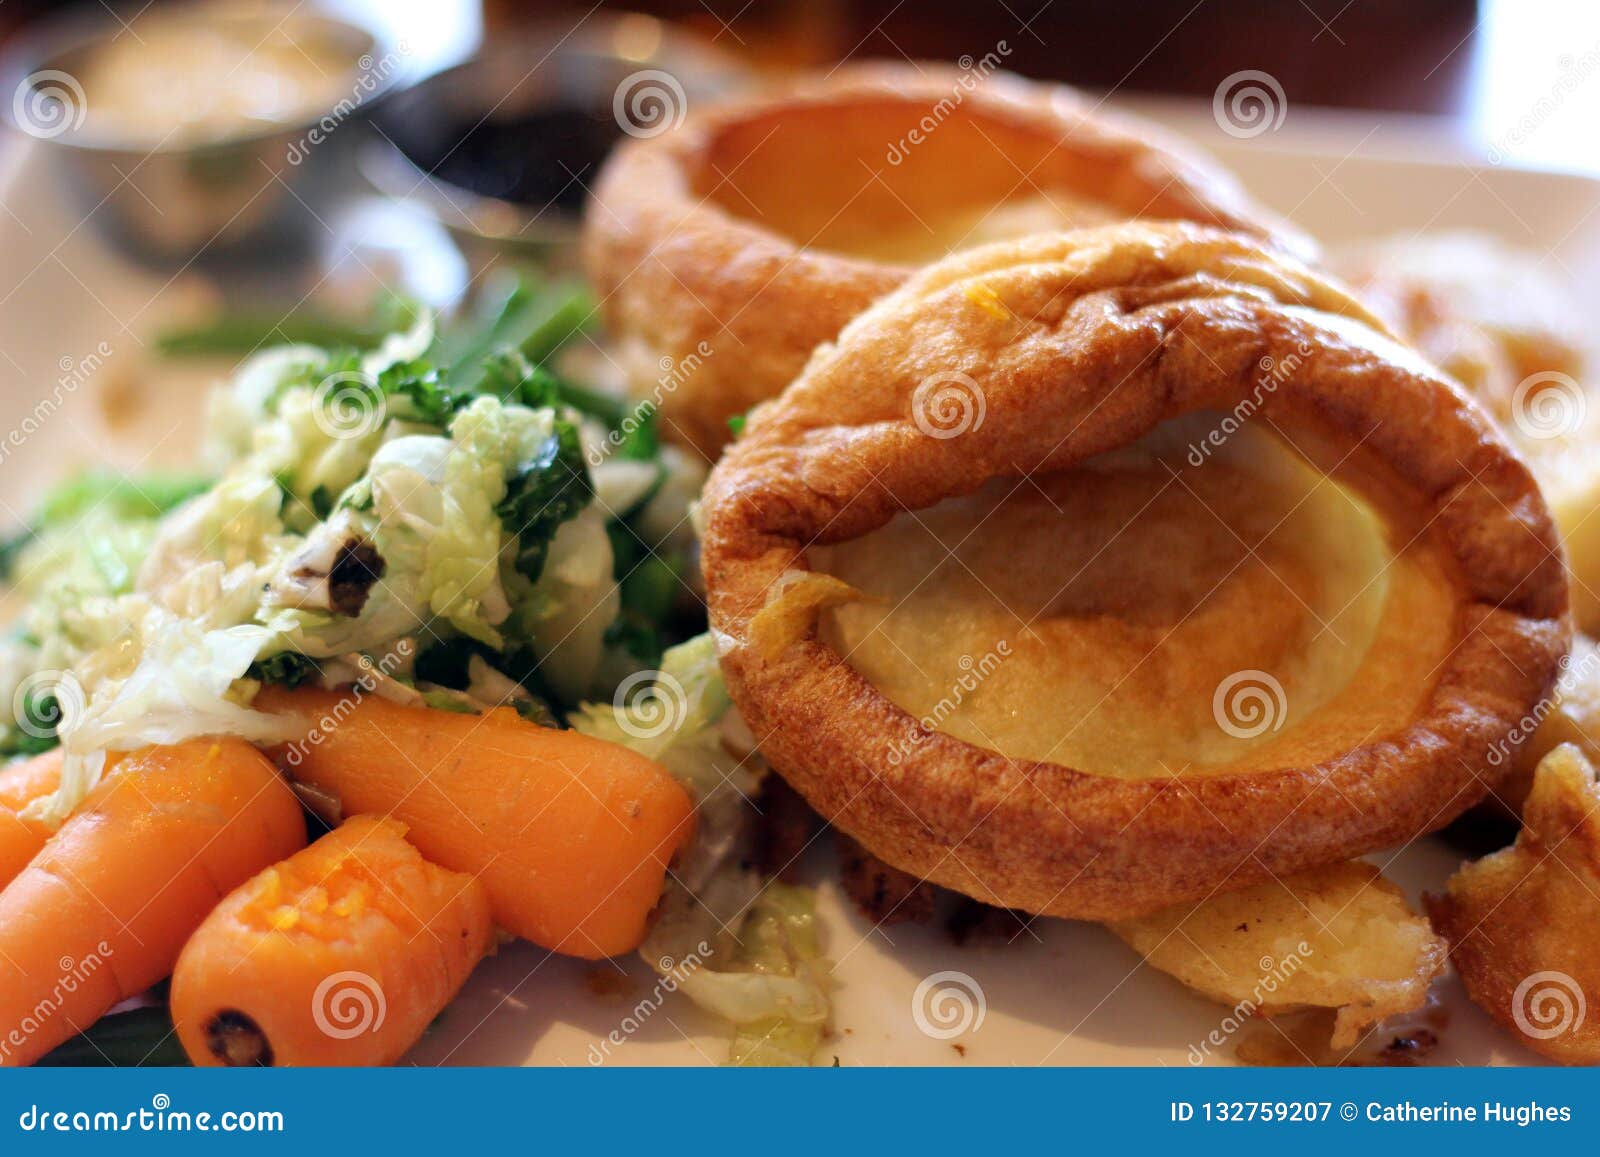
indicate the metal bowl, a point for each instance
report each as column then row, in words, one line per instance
column 604, row 72
column 254, row 191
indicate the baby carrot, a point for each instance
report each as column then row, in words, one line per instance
column 21, row 784
column 101, row 913
column 340, row 955
column 570, row 835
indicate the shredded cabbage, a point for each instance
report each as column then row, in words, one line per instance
column 157, row 625
column 770, row 978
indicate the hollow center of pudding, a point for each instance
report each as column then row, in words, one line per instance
column 900, row 181
column 1144, row 615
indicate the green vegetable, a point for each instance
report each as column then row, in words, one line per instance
column 649, row 593
column 11, row 548
column 516, row 313
column 237, row 334
column 546, row 491
column 778, row 938
column 756, row 959
column 121, row 495
column 138, row 1038
column 286, row 668
column 445, row 662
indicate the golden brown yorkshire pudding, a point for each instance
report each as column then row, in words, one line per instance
column 725, row 251
column 1495, row 318
column 1094, row 572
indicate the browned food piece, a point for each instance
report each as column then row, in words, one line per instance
column 885, row 895
column 1501, row 320
column 1524, row 923
column 943, row 566
column 723, row 253
column 1340, row 937
column 785, row 827
column 974, row 922
column 1570, row 714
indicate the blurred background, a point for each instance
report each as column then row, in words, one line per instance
column 206, row 177
column 1480, row 65
column 238, row 128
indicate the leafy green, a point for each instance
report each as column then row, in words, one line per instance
column 237, row 334
column 741, row 950
column 240, row 332
column 286, row 669
column 535, row 711
column 145, row 496
column 111, row 498
column 11, row 548
column 445, row 662
column 544, row 492
column 35, row 731
column 649, row 593
column 519, row 314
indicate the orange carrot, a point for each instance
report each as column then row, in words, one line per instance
column 571, row 835
column 20, row 785
column 101, row 913
column 340, row 955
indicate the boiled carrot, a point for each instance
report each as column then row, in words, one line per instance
column 101, row 913
column 571, row 835
column 20, row 784
column 340, row 955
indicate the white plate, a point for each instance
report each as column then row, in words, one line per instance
column 1060, row 994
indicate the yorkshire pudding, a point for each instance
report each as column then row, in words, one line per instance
column 1098, row 571
column 1495, row 318
column 725, row 251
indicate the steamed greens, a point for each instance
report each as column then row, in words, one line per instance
column 443, row 516
column 362, row 509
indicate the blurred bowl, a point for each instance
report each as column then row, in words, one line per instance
column 501, row 149
column 175, row 196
